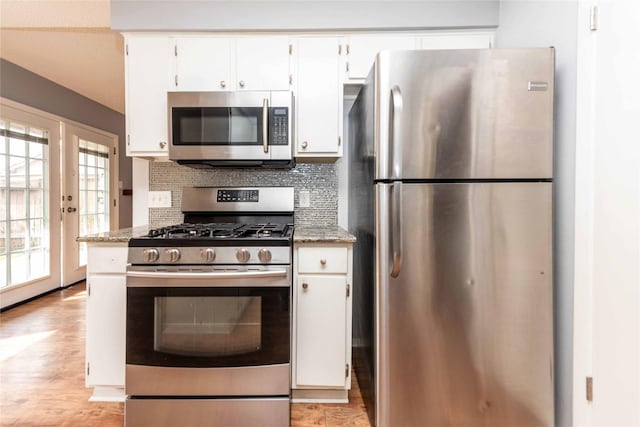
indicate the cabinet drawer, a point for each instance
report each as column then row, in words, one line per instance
column 322, row 260
column 104, row 259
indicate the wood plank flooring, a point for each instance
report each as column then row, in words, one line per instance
column 42, row 359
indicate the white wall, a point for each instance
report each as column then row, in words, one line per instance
column 292, row 15
column 541, row 24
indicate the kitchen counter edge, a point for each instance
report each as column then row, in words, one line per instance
column 121, row 235
column 308, row 234
column 322, row 234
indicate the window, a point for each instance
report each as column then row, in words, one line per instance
column 93, row 174
column 24, row 201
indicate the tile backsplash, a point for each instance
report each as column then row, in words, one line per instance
column 320, row 179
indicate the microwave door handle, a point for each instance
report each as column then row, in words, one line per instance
column 265, row 125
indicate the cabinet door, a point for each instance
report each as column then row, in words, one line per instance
column 456, row 41
column 203, row 64
column 106, row 304
column 318, row 98
column 321, row 353
column 262, row 63
column 362, row 51
column 147, row 75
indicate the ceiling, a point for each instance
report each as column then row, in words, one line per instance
column 68, row 42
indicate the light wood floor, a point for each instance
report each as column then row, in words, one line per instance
column 42, row 372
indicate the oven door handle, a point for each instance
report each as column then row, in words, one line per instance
column 207, row 275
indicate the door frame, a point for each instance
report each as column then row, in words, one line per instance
column 23, row 291
column 71, row 272
column 605, row 312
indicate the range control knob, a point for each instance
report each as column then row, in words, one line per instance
column 173, row 254
column 150, row 255
column 243, row 255
column 264, row 255
column 208, row 254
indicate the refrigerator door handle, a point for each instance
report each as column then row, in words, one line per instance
column 395, row 146
column 396, row 228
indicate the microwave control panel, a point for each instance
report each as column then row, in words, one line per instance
column 279, row 129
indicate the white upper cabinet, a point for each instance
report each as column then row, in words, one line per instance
column 462, row 40
column 227, row 64
column 202, row 64
column 362, row 50
column 148, row 69
column 318, row 97
column 262, row 63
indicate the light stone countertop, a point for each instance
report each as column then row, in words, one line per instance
column 121, row 235
column 308, row 234
column 322, row 234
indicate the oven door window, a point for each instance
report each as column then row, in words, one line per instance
column 207, row 327
column 217, row 126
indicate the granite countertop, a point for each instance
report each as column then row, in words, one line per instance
column 322, row 234
column 315, row 233
column 121, row 235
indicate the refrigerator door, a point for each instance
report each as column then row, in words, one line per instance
column 464, row 331
column 463, row 114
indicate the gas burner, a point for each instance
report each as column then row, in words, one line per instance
column 221, row 231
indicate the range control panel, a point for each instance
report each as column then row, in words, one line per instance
column 238, row 196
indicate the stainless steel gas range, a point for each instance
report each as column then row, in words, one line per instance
column 208, row 313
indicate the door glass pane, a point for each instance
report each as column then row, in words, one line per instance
column 36, row 173
column 18, row 207
column 24, row 201
column 17, row 147
column 18, row 232
column 17, row 171
column 3, row 238
column 19, row 267
column 36, row 150
column 37, row 238
column 36, row 203
column 93, row 164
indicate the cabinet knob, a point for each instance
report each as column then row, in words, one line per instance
column 163, row 144
column 305, row 144
column 241, row 83
column 305, row 286
column 323, row 261
column 223, row 84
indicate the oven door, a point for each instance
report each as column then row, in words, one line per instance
column 220, row 331
column 228, row 126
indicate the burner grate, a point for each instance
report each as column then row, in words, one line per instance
column 220, row 231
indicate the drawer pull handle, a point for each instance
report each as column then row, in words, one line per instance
column 305, row 286
column 323, row 261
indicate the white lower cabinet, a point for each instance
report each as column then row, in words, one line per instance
column 321, row 353
column 106, row 308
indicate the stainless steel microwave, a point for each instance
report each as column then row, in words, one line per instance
column 217, row 129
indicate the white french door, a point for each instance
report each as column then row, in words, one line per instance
column 89, row 194
column 29, row 204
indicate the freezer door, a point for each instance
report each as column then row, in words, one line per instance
column 456, row 114
column 464, row 327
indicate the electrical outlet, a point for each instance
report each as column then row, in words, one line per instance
column 159, row 199
column 304, row 200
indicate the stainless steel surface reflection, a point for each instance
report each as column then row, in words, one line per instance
column 465, row 330
column 466, row 114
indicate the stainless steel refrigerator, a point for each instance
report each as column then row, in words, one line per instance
column 451, row 180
